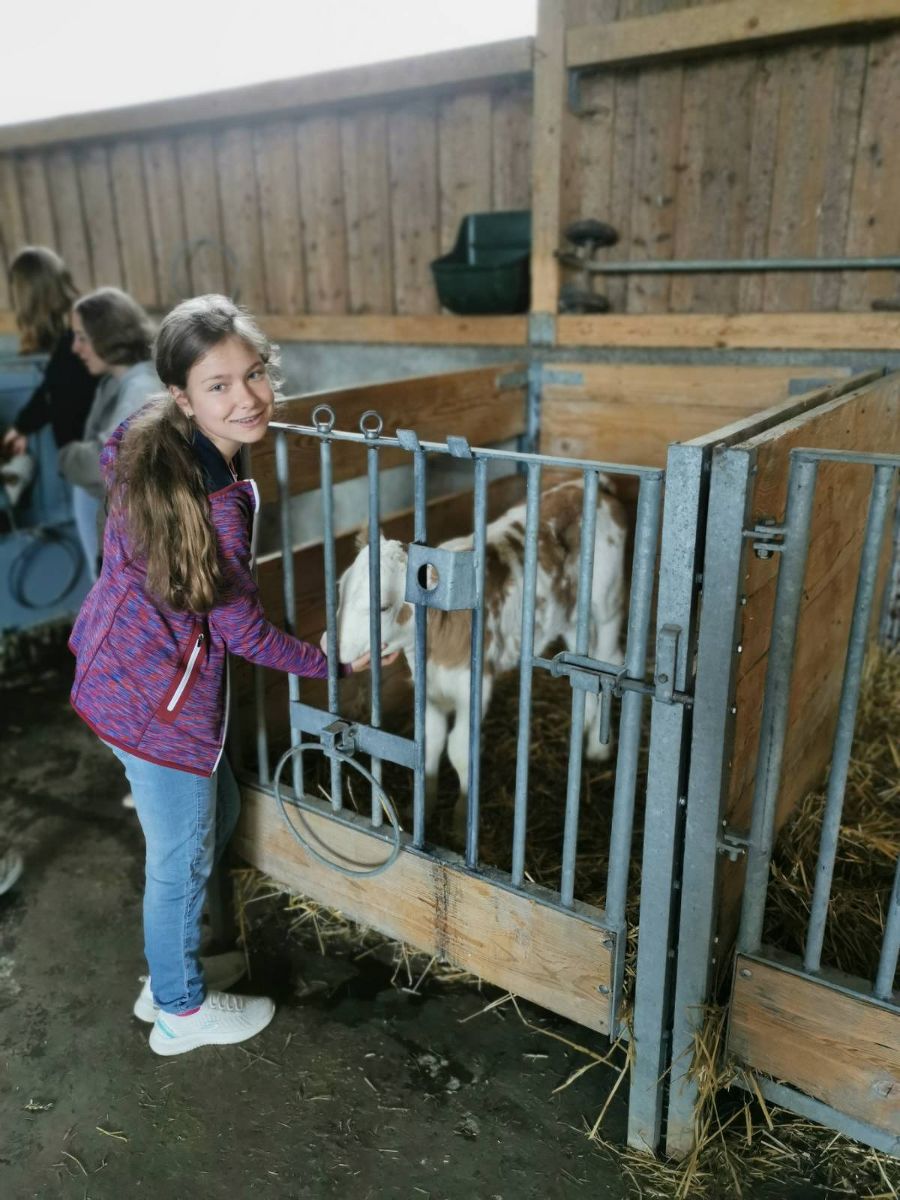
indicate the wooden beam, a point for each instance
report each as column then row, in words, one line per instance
column 550, row 121
column 510, row 939
column 742, row 331
column 446, row 69
column 400, row 330
column 737, row 24
column 841, row 1049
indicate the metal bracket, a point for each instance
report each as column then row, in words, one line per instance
column 440, row 578
column 666, row 662
column 542, row 329
column 511, row 379
column 556, row 377
column 732, row 844
column 770, row 537
column 339, row 736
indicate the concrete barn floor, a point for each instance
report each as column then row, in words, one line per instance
column 357, row 1089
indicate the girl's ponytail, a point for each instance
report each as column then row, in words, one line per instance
column 160, row 488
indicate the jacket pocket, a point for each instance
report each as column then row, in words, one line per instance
column 185, row 677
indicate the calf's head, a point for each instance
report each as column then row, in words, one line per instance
column 354, row 603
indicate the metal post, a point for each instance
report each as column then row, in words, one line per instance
column 419, row 660
column 788, row 597
column 477, row 663
column 846, row 720
column 890, row 946
column 262, row 736
column 372, row 432
column 646, row 538
column 579, row 696
column 523, row 746
column 330, row 594
column 282, row 474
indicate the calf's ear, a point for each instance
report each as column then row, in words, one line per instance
column 362, row 537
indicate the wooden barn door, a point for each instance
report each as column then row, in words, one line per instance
column 780, row 584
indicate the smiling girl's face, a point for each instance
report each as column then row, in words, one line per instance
column 228, row 395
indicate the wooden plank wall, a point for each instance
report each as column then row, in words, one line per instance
column 784, row 151
column 337, row 211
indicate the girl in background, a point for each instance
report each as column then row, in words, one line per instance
column 42, row 297
column 113, row 338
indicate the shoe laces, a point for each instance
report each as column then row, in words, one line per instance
column 225, row 1002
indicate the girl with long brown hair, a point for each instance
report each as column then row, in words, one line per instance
column 42, row 297
column 174, row 597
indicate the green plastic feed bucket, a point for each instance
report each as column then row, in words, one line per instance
column 487, row 269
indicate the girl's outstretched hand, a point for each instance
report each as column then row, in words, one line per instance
column 365, row 660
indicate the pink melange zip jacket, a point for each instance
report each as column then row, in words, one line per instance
column 151, row 680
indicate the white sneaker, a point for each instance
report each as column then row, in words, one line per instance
column 221, row 1020
column 128, row 800
column 219, row 970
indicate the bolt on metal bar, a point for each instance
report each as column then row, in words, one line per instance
column 846, row 720
column 523, row 746
column 646, row 541
column 477, row 664
column 327, row 484
column 419, row 658
column 713, row 265
column 579, row 696
column 788, row 597
column 890, row 945
column 282, row 475
column 375, row 615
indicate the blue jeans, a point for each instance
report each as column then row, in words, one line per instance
column 187, row 821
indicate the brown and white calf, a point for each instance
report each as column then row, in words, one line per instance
column 449, row 642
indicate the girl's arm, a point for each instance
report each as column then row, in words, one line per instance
column 239, row 620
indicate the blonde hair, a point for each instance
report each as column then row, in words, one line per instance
column 42, row 294
column 120, row 331
column 158, row 482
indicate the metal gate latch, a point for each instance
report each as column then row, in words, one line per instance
column 770, row 537
column 338, row 736
column 732, row 844
column 593, row 676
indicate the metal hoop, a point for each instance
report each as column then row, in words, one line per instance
column 325, row 422
column 299, row 805
column 371, row 428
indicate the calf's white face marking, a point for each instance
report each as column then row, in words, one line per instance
column 353, row 603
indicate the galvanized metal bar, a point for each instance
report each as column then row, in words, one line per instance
column 375, row 615
column 419, row 658
column 476, row 679
column 579, row 696
column 523, row 741
column 889, row 624
column 705, row 266
column 490, row 453
column 824, row 1114
column 859, row 457
column 282, row 475
column 646, row 539
column 890, row 945
column 263, row 765
column 327, row 484
column 846, row 719
column 788, row 597
column 666, row 779
column 728, row 509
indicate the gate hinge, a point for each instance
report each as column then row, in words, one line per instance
column 732, row 843
column 770, row 537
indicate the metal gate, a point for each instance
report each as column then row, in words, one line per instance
column 583, row 946
column 817, row 1042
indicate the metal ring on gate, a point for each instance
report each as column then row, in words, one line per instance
column 372, row 429
column 383, row 798
column 325, row 423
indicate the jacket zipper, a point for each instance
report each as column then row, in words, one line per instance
column 188, row 670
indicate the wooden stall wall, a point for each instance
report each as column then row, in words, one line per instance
column 334, row 205
column 788, row 149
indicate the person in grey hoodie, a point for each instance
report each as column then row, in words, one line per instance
column 113, row 337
